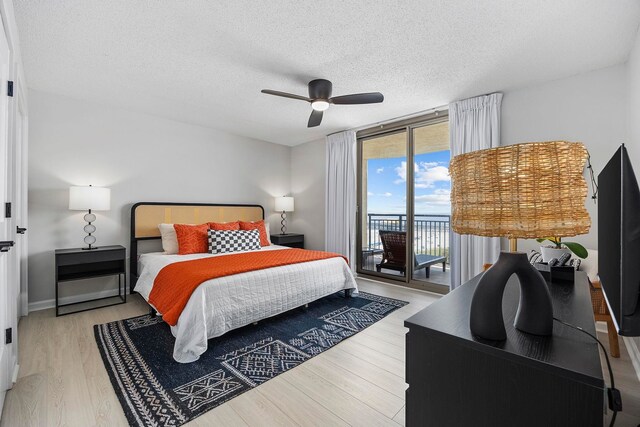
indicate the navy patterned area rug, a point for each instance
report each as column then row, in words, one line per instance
column 155, row 390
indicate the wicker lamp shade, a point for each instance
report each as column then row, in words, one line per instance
column 526, row 190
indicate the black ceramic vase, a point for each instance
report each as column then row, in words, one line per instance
column 535, row 311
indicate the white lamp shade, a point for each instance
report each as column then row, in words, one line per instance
column 85, row 198
column 284, row 204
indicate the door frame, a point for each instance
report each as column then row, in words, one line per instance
column 8, row 273
column 408, row 126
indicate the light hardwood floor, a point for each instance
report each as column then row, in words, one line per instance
column 358, row 382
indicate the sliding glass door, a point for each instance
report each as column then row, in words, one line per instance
column 383, row 203
column 404, row 207
column 431, row 190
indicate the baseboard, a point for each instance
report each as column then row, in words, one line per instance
column 50, row 303
column 14, row 377
column 41, row 305
column 634, row 354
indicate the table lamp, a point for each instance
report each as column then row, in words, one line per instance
column 284, row 204
column 92, row 199
column 526, row 191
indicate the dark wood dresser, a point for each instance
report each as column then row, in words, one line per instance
column 457, row 380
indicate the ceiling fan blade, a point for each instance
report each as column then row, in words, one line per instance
column 286, row 95
column 315, row 119
column 358, row 98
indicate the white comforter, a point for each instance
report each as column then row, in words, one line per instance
column 220, row 305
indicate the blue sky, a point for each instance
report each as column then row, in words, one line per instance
column 386, row 182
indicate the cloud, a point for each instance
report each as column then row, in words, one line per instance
column 380, row 170
column 437, row 202
column 387, row 194
column 440, row 197
column 369, row 193
column 430, row 164
column 401, row 171
column 426, row 174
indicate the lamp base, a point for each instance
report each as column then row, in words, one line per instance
column 283, row 222
column 535, row 311
column 89, row 239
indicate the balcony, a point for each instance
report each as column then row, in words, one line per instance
column 430, row 237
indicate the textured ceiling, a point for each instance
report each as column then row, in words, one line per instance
column 205, row 62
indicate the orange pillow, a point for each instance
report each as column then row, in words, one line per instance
column 224, row 225
column 257, row 225
column 192, row 239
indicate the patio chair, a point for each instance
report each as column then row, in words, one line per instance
column 394, row 245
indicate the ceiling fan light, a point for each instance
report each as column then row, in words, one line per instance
column 320, row 105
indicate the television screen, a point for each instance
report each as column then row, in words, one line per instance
column 619, row 241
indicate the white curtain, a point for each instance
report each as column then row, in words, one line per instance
column 474, row 124
column 340, row 219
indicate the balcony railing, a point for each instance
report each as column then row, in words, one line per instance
column 430, row 232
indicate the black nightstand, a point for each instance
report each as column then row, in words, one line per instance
column 291, row 240
column 76, row 264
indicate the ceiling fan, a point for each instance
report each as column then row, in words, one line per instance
column 320, row 98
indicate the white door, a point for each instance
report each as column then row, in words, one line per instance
column 7, row 228
column 20, row 211
column 17, row 195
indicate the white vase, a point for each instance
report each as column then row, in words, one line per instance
column 549, row 253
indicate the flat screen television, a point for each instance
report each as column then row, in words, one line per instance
column 619, row 241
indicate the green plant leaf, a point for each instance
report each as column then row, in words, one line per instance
column 577, row 249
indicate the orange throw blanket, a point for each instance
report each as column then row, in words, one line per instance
column 175, row 283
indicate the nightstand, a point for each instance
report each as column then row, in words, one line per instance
column 77, row 263
column 291, row 240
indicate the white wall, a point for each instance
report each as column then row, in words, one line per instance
column 633, row 82
column 633, row 74
column 141, row 158
column 588, row 108
column 308, row 178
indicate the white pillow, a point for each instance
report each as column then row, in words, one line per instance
column 266, row 228
column 169, row 239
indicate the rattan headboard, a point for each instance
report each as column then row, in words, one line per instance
column 145, row 217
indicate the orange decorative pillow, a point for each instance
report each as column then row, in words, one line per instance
column 257, row 225
column 192, row 239
column 224, row 225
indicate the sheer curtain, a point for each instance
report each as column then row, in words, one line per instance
column 340, row 219
column 474, row 124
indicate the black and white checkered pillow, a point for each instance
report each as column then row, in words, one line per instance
column 223, row 241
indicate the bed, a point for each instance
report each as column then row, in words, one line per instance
column 226, row 303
